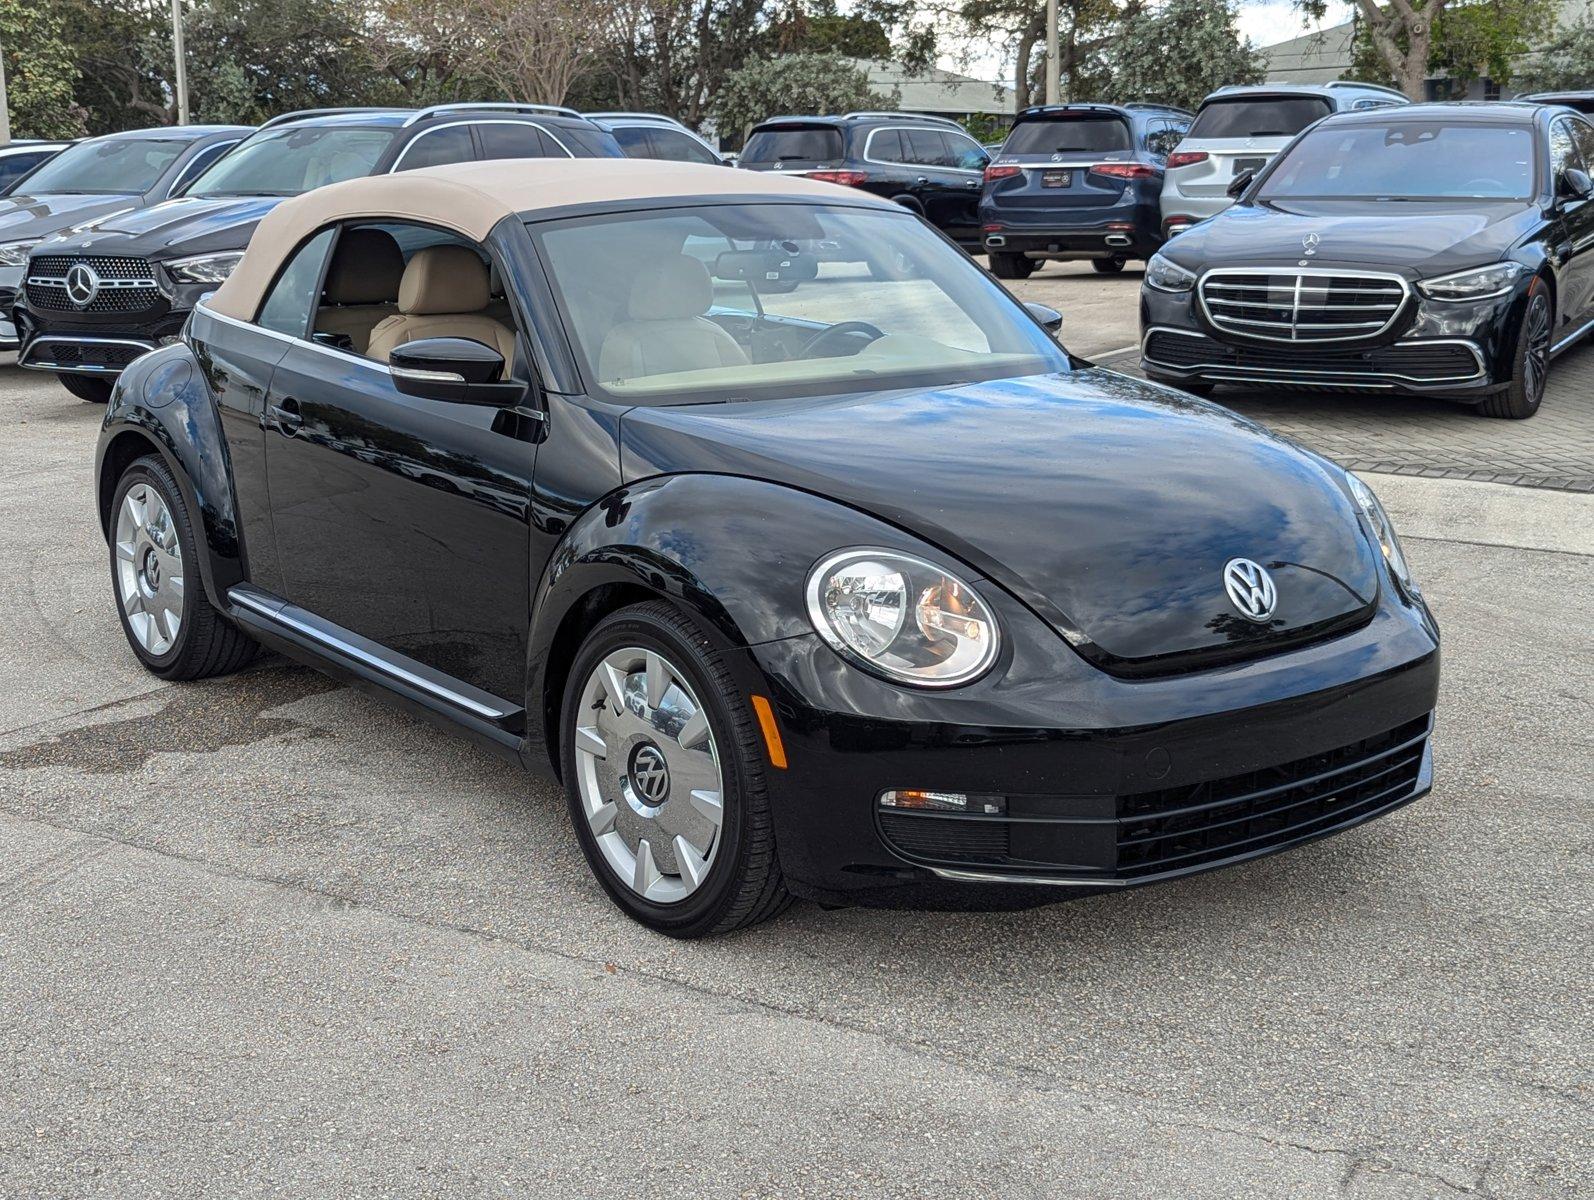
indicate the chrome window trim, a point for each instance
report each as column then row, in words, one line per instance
column 1256, row 374
column 399, row 161
column 1300, row 273
column 306, row 343
column 868, row 144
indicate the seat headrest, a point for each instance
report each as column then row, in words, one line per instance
column 443, row 279
column 366, row 269
column 670, row 289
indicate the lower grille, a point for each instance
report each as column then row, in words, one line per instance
column 84, row 354
column 113, row 284
column 946, row 839
column 1416, row 361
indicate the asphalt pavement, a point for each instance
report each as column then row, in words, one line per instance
column 264, row 936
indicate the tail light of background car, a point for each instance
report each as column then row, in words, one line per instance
column 1128, row 170
column 992, row 174
column 1185, row 158
column 845, row 178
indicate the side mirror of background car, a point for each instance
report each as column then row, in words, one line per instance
column 459, row 370
column 1239, row 183
column 1050, row 318
column 1575, row 184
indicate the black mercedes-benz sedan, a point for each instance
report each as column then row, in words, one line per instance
column 1443, row 249
column 801, row 580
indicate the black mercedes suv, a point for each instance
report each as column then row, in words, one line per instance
column 929, row 165
column 94, row 302
column 1442, row 249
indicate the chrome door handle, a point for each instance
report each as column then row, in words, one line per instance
column 286, row 416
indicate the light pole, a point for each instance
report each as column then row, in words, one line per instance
column 5, row 104
column 1053, row 85
column 182, row 62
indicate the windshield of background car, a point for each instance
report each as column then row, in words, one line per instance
column 285, row 162
column 806, row 144
column 1406, row 160
column 1257, row 116
column 750, row 301
column 1075, row 133
column 120, row 165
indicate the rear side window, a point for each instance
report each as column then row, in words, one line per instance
column 288, row 306
column 675, row 146
column 814, row 143
column 437, row 148
column 1075, row 133
column 501, row 140
column 1260, row 116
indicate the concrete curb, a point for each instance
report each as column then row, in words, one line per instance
column 1491, row 514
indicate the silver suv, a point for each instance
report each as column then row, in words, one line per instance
column 1238, row 128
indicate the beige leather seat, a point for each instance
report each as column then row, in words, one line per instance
column 442, row 294
column 362, row 285
column 667, row 331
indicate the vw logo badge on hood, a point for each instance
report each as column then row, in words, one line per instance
column 1250, row 589
column 82, row 284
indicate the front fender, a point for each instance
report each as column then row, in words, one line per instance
column 161, row 405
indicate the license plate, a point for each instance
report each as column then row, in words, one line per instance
column 1056, row 178
column 1242, row 165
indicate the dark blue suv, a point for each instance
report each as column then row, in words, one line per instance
column 1078, row 181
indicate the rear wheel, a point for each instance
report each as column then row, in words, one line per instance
column 1530, row 366
column 87, row 387
column 1109, row 266
column 1012, row 266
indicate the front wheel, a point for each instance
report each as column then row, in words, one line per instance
column 1530, row 365
column 92, row 388
column 664, row 774
column 1012, row 266
column 1109, row 266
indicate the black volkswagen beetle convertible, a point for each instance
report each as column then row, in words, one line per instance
column 804, row 579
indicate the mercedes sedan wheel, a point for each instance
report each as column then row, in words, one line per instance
column 663, row 769
column 87, row 387
column 1530, row 366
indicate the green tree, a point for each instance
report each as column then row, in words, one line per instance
column 123, row 52
column 817, row 27
column 1566, row 64
column 40, row 73
column 1470, row 39
column 1178, row 52
column 793, row 83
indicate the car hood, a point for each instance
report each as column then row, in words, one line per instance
column 174, row 228
column 24, row 217
column 1108, row 505
column 1422, row 238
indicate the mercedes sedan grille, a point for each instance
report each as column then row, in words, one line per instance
column 1302, row 306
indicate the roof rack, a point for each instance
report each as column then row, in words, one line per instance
column 1367, row 87
column 557, row 110
column 305, row 114
column 658, row 118
column 900, row 116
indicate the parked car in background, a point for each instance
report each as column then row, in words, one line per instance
column 94, row 179
column 929, row 165
column 19, row 158
column 1441, row 249
column 97, row 300
column 653, row 135
column 1078, row 181
column 1582, row 102
column 1238, row 129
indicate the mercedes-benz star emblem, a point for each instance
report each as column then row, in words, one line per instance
column 1309, row 243
column 650, row 775
column 82, row 284
column 1250, row 589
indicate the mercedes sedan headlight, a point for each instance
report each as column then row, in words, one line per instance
column 902, row 617
column 15, row 254
column 1168, row 276
column 1480, row 283
column 1384, row 531
column 204, row 268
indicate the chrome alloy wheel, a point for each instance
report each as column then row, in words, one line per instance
column 149, row 569
column 1536, row 358
column 648, row 773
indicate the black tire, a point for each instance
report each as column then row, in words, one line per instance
column 744, row 884
column 1108, row 266
column 1530, row 365
column 87, row 387
column 1012, row 266
column 207, row 644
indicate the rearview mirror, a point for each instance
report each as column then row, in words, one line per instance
column 1238, row 184
column 1050, row 318
column 1575, row 184
column 458, row 370
column 760, row 268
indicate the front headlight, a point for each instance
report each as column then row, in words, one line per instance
column 204, row 268
column 1480, row 283
column 902, row 617
column 1384, row 531
column 1168, row 276
column 15, row 254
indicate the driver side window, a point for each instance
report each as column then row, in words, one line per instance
column 288, row 305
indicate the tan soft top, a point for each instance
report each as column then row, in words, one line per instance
column 473, row 197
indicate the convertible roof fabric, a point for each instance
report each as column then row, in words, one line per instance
column 471, row 198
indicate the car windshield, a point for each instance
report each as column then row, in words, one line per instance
column 1071, row 134
column 814, row 143
column 751, row 301
column 1257, row 116
column 285, row 162
column 1406, row 160
column 111, row 166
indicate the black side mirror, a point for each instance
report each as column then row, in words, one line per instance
column 1238, row 184
column 1575, row 184
column 1050, row 318
column 458, row 370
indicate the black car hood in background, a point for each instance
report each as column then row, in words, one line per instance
column 1108, row 505
column 23, row 217
column 176, row 228
column 1422, row 237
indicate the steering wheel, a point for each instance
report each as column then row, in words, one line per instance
column 835, row 331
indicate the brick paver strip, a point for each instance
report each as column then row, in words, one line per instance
column 1400, row 436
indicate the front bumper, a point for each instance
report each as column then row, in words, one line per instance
column 95, row 343
column 1103, row 783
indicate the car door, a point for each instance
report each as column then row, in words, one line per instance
column 1572, row 148
column 967, row 161
column 400, row 519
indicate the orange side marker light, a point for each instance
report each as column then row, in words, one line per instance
column 766, row 722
